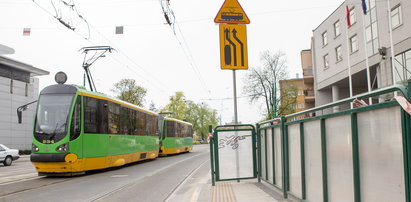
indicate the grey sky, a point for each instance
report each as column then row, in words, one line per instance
column 149, row 52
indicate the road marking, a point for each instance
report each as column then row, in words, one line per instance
column 18, row 178
column 182, row 183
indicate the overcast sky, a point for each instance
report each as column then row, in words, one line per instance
column 149, row 52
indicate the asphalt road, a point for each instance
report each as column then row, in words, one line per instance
column 154, row 180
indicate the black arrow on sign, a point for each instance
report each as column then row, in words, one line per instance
column 241, row 44
column 227, row 36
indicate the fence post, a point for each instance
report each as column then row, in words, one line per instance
column 259, row 152
column 283, row 156
column 210, row 130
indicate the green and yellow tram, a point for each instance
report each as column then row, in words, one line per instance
column 77, row 130
column 176, row 136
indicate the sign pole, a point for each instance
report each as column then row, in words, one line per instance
column 237, row 155
column 235, row 98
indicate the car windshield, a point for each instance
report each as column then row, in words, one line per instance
column 52, row 116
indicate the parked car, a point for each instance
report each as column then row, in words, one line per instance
column 7, row 156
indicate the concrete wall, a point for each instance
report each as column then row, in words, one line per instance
column 12, row 134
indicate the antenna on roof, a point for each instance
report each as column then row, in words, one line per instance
column 99, row 52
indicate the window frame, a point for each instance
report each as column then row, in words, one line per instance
column 356, row 44
column 337, row 28
column 326, row 61
column 353, row 16
column 324, row 38
column 338, row 53
column 399, row 14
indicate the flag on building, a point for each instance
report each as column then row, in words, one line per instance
column 26, row 31
column 364, row 7
column 348, row 16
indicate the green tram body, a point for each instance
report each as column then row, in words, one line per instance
column 76, row 130
column 176, row 136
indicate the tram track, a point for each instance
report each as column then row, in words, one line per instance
column 104, row 196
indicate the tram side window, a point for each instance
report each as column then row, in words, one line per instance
column 170, row 129
column 123, row 120
column 113, row 118
column 140, row 123
column 75, row 128
column 90, row 115
column 190, row 131
column 102, row 117
column 151, row 125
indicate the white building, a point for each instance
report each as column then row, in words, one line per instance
column 336, row 47
column 18, row 86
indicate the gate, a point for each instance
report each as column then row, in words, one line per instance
column 233, row 153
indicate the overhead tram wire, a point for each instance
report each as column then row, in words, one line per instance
column 160, row 87
column 171, row 21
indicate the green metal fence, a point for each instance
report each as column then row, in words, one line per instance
column 360, row 154
column 233, row 153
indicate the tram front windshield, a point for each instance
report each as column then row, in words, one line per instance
column 52, row 117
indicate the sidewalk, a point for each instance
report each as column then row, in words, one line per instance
column 197, row 188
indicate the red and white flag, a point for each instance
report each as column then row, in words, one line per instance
column 348, row 16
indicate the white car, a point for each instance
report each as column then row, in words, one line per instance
column 7, row 156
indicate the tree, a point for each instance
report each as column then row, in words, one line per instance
column 260, row 80
column 128, row 90
column 177, row 106
column 153, row 107
column 288, row 100
column 200, row 115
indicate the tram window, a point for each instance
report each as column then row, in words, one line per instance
column 140, row 123
column 151, row 125
column 90, row 115
column 75, row 127
column 113, row 118
column 170, row 129
column 102, row 116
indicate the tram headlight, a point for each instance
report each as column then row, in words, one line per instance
column 60, row 77
column 34, row 148
column 62, row 148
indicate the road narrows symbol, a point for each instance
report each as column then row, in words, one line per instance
column 241, row 44
column 227, row 36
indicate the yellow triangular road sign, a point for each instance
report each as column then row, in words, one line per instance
column 231, row 12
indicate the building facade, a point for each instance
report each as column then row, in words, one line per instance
column 308, row 78
column 340, row 50
column 291, row 96
column 18, row 86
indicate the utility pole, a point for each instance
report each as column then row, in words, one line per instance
column 274, row 100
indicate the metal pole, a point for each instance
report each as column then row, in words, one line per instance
column 210, row 130
column 237, row 155
column 274, row 99
column 235, row 98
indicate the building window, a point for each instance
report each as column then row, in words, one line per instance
column 403, row 66
column 326, row 61
column 353, row 17
column 396, row 17
column 337, row 30
column 300, row 105
column 338, row 53
column 353, row 44
column 371, row 29
column 324, row 35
